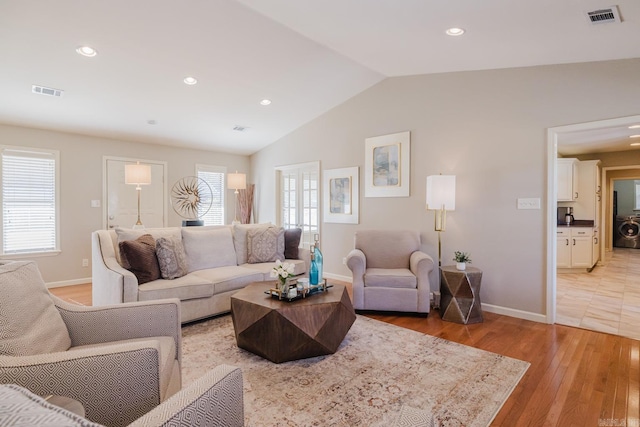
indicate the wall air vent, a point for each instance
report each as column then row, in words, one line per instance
column 604, row 16
column 41, row 90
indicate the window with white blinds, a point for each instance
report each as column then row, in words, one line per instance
column 214, row 176
column 29, row 200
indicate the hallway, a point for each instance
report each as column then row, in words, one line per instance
column 605, row 300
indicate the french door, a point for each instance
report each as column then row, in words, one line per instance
column 298, row 191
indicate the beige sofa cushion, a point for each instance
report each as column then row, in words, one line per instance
column 390, row 278
column 184, row 288
column 208, row 248
column 229, row 278
column 29, row 321
column 265, row 267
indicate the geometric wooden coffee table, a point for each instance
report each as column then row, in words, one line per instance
column 281, row 331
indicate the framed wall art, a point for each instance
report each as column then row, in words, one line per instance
column 386, row 165
column 341, row 195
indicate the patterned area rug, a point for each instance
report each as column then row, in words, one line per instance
column 378, row 370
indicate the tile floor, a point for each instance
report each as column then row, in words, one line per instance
column 605, row 300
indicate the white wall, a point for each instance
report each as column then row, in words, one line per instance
column 81, row 163
column 486, row 127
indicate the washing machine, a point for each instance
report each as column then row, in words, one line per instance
column 627, row 231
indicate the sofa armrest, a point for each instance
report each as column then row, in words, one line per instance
column 112, row 283
column 115, row 384
column 108, row 323
column 421, row 265
column 357, row 263
column 215, row 399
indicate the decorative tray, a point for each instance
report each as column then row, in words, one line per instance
column 299, row 293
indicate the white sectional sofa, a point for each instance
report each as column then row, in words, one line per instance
column 218, row 261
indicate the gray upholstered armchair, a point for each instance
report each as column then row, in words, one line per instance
column 213, row 400
column 119, row 361
column 390, row 273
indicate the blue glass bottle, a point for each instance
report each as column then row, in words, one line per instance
column 313, row 269
column 318, row 257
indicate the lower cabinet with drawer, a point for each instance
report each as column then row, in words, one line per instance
column 575, row 247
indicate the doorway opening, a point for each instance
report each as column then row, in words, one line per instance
column 556, row 137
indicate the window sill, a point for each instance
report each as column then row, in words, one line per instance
column 30, row 254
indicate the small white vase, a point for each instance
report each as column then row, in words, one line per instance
column 461, row 266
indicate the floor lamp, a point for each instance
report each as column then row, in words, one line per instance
column 137, row 174
column 236, row 181
column 441, row 197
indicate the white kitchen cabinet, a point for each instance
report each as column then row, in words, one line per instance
column 563, row 259
column 567, row 179
column 574, row 247
column 595, row 256
column 588, row 206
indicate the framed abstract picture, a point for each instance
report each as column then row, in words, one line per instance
column 341, row 195
column 386, row 166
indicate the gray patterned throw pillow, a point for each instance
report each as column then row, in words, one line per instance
column 171, row 257
column 265, row 245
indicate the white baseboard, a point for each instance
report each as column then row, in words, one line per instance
column 505, row 311
column 512, row 312
column 68, row 283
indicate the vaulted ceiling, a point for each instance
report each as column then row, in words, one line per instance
column 304, row 56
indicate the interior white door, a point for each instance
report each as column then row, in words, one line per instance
column 122, row 199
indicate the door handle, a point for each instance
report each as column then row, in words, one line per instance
column 576, row 195
column 595, row 240
column 567, row 242
column 574, row 242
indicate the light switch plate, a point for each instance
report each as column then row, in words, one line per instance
column 531, row 203
column 95, row 203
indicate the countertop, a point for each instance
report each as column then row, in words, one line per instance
column 577, row 223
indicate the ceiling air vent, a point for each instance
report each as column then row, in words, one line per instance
column 240, row 128
column 46, row 91
column 604, row 16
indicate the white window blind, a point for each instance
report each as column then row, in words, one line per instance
column 214, row 176
column 29, row 201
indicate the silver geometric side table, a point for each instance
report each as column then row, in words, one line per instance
column 460, row 295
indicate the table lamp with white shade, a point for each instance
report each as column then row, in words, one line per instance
column 441, row 197
column 236, row 181
column 137, row 174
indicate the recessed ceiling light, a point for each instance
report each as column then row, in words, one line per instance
column 455, row 31
column 634, row 136
column 634, row 144
column 190, row 80
column 265, row 102
column 151, row 122
column 634, row 127
column 87, row 51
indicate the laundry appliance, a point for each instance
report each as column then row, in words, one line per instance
column 627, row 232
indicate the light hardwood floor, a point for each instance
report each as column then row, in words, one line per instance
column 576, row 378
column 607, row 299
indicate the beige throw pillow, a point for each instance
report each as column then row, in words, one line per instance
column 265, row 245
column 29, row 321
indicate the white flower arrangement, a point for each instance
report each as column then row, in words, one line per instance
column 282, row 270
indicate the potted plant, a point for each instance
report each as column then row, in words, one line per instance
column 461, row 259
